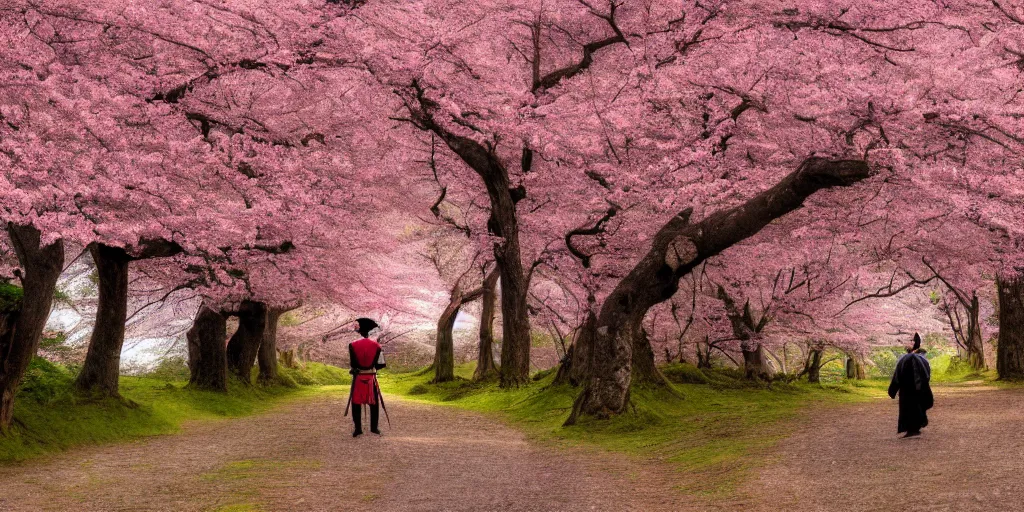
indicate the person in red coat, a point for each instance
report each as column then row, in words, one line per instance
column 365, row 358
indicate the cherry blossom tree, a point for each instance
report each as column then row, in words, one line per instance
column 601, row 152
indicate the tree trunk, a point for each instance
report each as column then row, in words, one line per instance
column 503, row 224
column 704, row 356
column 244, row 345
column 575, row 366
column 288, row 358
column 10, row 387
column 8, row 318
column 854, row 367
column 975, row 344
column 755, row 363
column 41, row 266
column 645, row 371
column 515, row 324
column 1010, row 349
column 485, row 356
column 814, row 366
column 207, row 360
column 444, row 349
column 102, row 365
column 566, row 365
column 268, row 348
column 677, row 249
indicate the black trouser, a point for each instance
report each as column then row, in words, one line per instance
column 357, row 416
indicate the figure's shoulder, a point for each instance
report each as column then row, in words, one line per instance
column 365, row 342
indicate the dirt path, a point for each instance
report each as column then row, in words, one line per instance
column 302, row 457
column 971, row 457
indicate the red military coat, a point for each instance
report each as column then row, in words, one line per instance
column 366, row 357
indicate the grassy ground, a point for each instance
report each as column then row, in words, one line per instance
column 50, row 417
column 713, row 436
column 950, row 370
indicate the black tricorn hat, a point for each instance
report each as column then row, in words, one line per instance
column 917, row 341
column 366, row 325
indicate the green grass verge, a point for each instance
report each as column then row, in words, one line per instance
column 49, row 416
column 721, row 428
column 950, row 370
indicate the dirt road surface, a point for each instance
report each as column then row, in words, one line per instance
column 302, row 457
column 970, row 458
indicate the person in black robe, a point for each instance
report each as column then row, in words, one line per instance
column 911, row 381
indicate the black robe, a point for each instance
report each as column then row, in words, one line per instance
column 911, row 380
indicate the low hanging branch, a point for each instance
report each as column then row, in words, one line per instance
column 968, row 337
column 891, row 288
column 555, row 77
column 676, row 250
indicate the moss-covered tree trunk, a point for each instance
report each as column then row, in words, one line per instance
column 8, row 317
column 1010, row 348
column 244, row 346
column 41, row 265
column 855, row 367
column 288, row 358
column 813, row 368
column 746, row 329
column 755, row 362
column 975, row 345
column 485, row 367
column 207, row 360
column 645, row 371
column 268, row 348
column 101, row 369
column 576, row 365
column 444, row 349
column 703, row 351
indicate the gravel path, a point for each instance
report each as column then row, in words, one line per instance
column 302, row 457
column 970, row 457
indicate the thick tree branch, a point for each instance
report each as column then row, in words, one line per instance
column 555, row 77
column 596, row 229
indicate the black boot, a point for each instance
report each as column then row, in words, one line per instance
column 374, row 416
column 357, row 419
